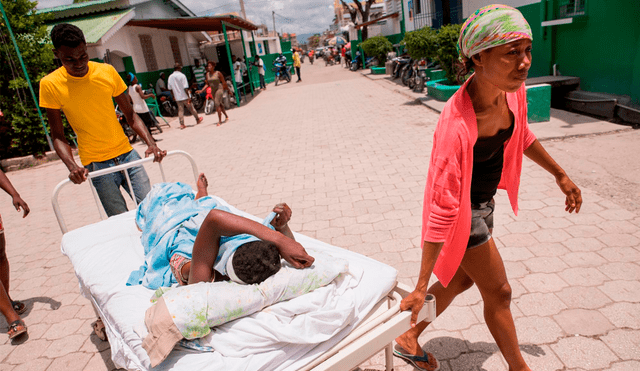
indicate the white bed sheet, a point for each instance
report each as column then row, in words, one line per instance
column 285, row 336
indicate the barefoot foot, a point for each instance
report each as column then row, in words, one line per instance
column 202, row 186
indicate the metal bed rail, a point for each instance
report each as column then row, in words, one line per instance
column 114, row 169
column 373, row 335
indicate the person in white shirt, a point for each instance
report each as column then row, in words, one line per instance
column 260, row 64
column 179, row 87
column 237, row 69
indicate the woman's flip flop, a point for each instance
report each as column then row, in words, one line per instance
column 428, row 358
column 18, row 306
column 17, row 328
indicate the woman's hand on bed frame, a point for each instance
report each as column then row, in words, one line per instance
column 220, row 223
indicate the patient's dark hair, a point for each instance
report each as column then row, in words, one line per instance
column 65, row 34
column 256, row 261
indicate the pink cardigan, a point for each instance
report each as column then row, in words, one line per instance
column 446, row 215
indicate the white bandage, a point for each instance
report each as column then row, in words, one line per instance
column 231, row 273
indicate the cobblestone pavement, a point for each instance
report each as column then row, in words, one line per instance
column 350, row 157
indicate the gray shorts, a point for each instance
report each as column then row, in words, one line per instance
column 481, row 223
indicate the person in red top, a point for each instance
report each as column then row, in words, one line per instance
column 342, row 59
column 478, row 147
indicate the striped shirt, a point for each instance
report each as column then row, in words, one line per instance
column 198, row 73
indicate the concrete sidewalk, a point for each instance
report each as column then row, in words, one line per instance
column 563, row 124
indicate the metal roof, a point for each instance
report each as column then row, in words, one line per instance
column 213, row 23
column 75, row 6
column 98, row 26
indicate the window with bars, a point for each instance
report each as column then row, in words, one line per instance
column 417, row 6
column 175, row 49
column 571, row 8
column 148, row 52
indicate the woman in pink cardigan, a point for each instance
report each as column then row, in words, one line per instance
column 477, row 148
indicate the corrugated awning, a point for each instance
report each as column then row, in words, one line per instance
column 191, row 24
column 99, row 27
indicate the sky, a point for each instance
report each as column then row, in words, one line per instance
column 292, row 16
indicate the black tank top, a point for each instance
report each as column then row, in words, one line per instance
column 488, row 156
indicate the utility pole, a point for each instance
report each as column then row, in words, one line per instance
column 273, row 14
column 244, row 14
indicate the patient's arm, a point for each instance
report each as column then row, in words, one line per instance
column 281, row 221
column 221, row 223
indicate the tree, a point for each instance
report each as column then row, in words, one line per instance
column 377, row 46
column 447, row 52
column 314, row 41
column 362, row 10
column 421, row 43
column 21, row 132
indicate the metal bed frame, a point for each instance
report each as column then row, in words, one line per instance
column 374, row 334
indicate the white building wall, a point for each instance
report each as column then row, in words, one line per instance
column 126, row 42
column 154, row 9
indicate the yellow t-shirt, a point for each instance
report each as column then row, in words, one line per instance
column 87, row 103
column 296, row 60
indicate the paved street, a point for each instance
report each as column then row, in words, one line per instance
column 350, row 156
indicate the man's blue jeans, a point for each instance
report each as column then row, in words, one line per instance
column 108, row 186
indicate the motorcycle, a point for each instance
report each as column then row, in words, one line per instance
column 131, row 135
column 406, row 75
column 281, row 70
column 197, row 99
column 398, row 65
column 329, row 60
column 347, row 59
column 168, row 106
column 420, row 76
column 356, row 62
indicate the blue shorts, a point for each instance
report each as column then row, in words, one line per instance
column 481, row 223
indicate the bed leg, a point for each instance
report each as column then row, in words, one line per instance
column 388, row 356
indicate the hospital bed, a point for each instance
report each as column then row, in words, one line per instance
column 291, row 335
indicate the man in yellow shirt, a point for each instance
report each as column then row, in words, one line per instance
column 296, row 63
column 84, row 91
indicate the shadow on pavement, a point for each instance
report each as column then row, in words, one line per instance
column 475, row 353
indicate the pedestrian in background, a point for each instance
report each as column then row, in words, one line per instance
column 179, row 87
column 296, row 64
column 260, row 64
column 216, row 82
column 198, row 74
column 478, row 146
column 11, row 309
column 343, row 60
column 140, row 107
column 85, row 92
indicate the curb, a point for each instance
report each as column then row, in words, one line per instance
column 18, row 163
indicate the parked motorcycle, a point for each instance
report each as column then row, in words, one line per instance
column 281, row 70
column 356, row 62
column 168, row 107
column 131, row 135
column 197, row 99
column 420, row 76
column 398, row 64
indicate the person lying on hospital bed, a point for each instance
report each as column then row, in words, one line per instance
column 190, row 238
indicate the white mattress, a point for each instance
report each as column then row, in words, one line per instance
column 285, row 336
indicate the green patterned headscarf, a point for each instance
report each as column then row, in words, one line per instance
column 490, row 26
